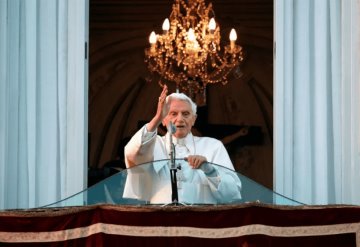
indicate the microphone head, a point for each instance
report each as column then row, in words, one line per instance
column 171, row 128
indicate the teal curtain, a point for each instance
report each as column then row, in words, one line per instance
column 316, row 151
column 43, row 101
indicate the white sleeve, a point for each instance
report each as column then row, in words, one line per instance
column 225, row 185
column 140, row 148
column 147, row 135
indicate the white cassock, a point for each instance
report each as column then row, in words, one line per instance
column 151, row 182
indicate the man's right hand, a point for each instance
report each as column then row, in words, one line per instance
column 161, row 111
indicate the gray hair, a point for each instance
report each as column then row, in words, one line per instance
column 183, row 97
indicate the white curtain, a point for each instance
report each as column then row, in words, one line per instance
column 43, row 101
column 317, row 151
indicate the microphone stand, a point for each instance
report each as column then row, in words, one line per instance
column 173, row 170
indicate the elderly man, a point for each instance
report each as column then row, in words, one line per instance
column 198, row 180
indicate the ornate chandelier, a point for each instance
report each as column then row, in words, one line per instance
column 188, row 51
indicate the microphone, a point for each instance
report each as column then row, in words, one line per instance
column 171, row 128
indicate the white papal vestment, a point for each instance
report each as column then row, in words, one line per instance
column 151, row 182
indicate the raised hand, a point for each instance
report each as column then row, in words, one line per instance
column 161, row 111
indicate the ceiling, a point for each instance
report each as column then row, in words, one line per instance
column 253, row 19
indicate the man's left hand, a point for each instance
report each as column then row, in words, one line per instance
column 195, row 161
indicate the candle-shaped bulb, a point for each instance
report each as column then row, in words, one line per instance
column 166, row 25
column 191, row 35
column 233, row 35
column 212, row 25
column 233, row 38
column 152, row 38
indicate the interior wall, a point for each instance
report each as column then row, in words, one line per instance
column 120, row 98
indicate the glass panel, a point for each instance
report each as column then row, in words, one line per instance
column 150, row 183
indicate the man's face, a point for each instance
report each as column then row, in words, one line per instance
column 181, row 115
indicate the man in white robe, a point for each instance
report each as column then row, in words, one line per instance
column 198, row 180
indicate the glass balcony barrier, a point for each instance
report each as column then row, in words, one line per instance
column 154, row 183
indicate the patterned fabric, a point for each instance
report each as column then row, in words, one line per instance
column 251, row 224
